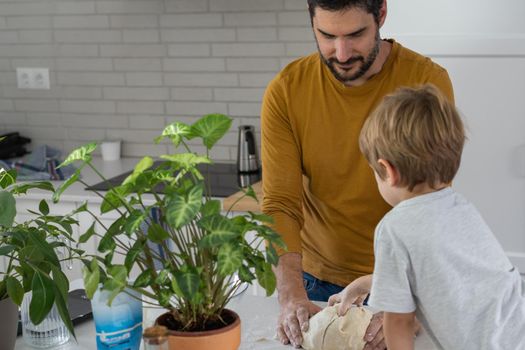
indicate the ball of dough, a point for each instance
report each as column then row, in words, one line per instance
column 328, row 331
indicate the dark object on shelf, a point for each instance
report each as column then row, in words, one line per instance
column 247, row 156
column 12, row 145
column 79, row 308
column 223, row 179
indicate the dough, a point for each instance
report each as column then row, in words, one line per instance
column 328, row 331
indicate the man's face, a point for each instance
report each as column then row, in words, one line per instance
column 348, row 41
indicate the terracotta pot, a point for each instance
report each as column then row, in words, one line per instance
column 226, row 338
column 8, row 324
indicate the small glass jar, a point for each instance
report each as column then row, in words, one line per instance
column 156, row 338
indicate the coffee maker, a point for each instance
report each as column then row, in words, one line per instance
column 248, row 167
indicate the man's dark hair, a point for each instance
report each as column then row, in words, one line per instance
column 370, row 6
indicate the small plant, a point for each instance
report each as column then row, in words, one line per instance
column 206, row 254
column 34, row 251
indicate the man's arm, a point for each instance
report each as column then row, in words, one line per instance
column 399, row 330
column 296, row 309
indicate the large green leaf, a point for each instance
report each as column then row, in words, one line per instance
column 82, row 153
column 15, row 290
column 44, row 247
column 211, row 128
column 7, row 209
column 245, row 275
column 220, row 230
column 91, row 277
column 182, row 209
column 261, row 217
column 112, row 199
column 266, row 278
column 61, row 281
column 42, row 299
column 230, row 259
column 43, row 207
column 176, row 132
column 107, row 243
column 69, row 181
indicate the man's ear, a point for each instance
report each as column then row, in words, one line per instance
column 391, row 173
column 382, row 14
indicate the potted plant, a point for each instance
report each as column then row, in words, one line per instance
column 32, row 253
column 206, row 254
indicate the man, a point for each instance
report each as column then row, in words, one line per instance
column 317, row 186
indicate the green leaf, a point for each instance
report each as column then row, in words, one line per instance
column 144, row 279
column 211, row 207
column 186, row 160
column 88, row 234
column 143, row 165
column 134, row 221
column 44, row 247
column 82, row 153
column 15, row 290
column 6, row 249
column 61, row 281
column 91, row 277
column 156, row 233
column 261, row 217
column 220, row 228
column 211, row 128
column 176, row 132
column 249, row 192
column 43, row 207
column 230, row 259
column 188, row 283
column 245, row 275
column 42, row 299
column 133, row 253
column 31, row 253
column 182, row 209
column 41, row 185
column 266, row 278
column 107, row 243
column 119, row 273
column 7, row 177
column 271, row 255
column 69, row 181
column 112, row 200
column 60, row 302
column 7, row 209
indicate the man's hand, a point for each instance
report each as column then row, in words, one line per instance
column 296, row 309
column 293, row 319
column 354, row 293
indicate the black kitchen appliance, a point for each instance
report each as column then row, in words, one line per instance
column 247, row 155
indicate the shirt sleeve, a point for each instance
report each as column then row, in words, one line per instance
column 391, row 291
column 282, row 169
column 441, row 80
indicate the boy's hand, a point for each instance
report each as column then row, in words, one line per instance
column 353, row 294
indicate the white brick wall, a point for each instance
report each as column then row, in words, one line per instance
column 126, row 68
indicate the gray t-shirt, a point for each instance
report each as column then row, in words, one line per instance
column 435, row 255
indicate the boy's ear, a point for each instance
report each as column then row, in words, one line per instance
column 391, row 173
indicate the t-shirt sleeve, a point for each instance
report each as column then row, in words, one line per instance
column 440, row 79
column 282, row 175
column 391, row 291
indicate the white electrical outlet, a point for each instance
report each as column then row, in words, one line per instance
column 33, row 78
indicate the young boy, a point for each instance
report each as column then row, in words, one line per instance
column 435, row 256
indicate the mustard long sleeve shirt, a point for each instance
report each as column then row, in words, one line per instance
column 317, row 185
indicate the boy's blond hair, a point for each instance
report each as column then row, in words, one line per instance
column 419, row 132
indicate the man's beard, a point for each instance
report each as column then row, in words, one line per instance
column 365, row 66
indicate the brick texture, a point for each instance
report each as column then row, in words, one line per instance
column 126, row 68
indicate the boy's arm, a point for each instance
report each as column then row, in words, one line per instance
column 399, row 330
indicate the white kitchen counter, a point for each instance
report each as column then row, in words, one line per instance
column 258, row 320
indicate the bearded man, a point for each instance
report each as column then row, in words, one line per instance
column 317, row 186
